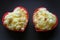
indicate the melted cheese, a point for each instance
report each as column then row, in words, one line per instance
column 16, row 20
column 43, row 19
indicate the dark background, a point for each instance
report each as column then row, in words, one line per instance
column 30, row 33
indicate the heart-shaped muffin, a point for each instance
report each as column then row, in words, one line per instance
column 44, row 20
column 16, row 20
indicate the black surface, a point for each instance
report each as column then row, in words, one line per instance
column 30, row 33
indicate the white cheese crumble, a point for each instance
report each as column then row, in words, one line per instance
column 16, row 20
column 43, row 19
